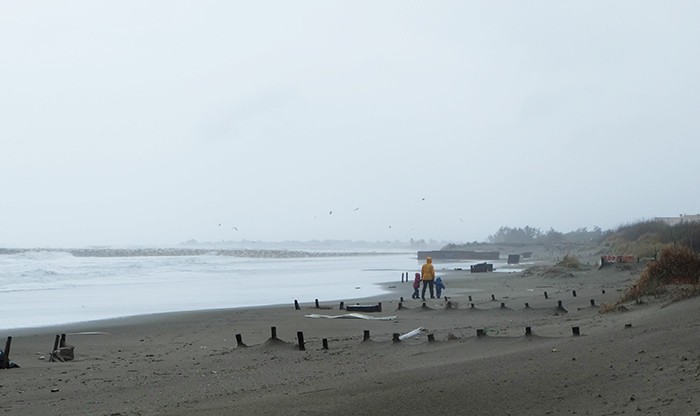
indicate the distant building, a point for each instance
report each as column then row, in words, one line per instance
column 683, row 218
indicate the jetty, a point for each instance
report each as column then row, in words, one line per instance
column 459, row 255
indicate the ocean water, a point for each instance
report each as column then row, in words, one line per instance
column 41, row 288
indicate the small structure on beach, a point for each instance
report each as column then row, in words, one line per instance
column 481, row 268
column 604, row 260
column 364, row 308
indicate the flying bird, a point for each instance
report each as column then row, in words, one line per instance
column 330, row 212
column 356, row 209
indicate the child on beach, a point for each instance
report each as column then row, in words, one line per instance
column 416, row 286
column 439, row 286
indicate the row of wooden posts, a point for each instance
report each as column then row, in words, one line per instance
column 560, row 305
column 61, row 340
column 378, row 306
column 405, row 278
column 360, row 308
column 396, row 337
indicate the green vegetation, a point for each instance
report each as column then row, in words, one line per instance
column 570, row 262
column 673, row 252
column 646, row 239
column 563, row 268
column 531, row 235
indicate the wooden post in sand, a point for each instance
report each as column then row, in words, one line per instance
column 239, row 340
column 296, row 304
column 56, row 342
column 366, row 335
column 400, row 305
column 273, row 332
column 493, row 297
column 300, row 338
column 342, row 306
column 480, row 333
column 592, row 302
column 5, row 362
column 317, row 305
column 431, row 338
column 528, row 331
column 395, row 337
column 63, row 341
column 325, row 343
column 503, row 305
column 546, row 296
column 527, row 305
column 576, row 330
column 470, row 298
column 573, row 292
column 472, row 306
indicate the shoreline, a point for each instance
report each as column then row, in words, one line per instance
column 175, row 285
column 395, row 289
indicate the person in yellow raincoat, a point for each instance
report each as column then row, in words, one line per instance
column 427, row 273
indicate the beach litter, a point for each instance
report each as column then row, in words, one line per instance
column 8, row 364
column 353, row 316
column 411, row 334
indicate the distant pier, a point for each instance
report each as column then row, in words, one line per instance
column 459, row 255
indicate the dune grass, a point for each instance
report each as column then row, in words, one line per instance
column 676, row 266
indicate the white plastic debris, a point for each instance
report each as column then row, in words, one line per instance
column 353, row 316
column 416, row 332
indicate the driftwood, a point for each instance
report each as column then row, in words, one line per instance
column 61, row 351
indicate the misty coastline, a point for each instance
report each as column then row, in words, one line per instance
column 174, row 252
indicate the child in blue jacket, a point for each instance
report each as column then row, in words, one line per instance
column 439, row 286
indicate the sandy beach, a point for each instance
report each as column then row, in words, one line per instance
column 642, row 360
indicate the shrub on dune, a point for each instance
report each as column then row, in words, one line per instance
column 570, row 262
column 675, row 265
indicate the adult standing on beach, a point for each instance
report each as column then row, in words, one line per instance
column 427, row 273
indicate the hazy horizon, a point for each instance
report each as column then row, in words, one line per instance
column 153, row 123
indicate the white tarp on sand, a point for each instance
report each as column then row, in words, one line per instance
column 353, row 316
column 416, row 332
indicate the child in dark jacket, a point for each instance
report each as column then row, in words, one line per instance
column 439, row 286
column 416, row 286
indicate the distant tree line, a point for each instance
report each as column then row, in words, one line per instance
column 657, row 232
column 532, row 235
column 652, row 232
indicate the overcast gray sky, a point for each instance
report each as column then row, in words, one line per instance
column 152, row 122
